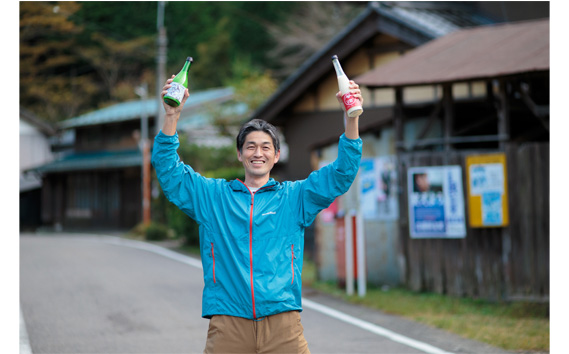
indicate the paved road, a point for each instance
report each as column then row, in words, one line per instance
column 91, row 294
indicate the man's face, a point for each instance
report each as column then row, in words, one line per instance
column 422, row 182
column 258, row 156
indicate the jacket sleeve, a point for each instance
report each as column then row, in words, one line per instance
column 183, row 186
column 329, row 182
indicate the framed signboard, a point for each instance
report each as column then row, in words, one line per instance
column 436, row 202
column 487, row 190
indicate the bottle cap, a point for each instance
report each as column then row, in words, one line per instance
column 334, row 57
column 190, row 59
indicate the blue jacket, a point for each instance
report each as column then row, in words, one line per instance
column 252, row 244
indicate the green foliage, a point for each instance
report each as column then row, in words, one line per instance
column 156, row 232
column 76, row 57
column 208, row 161
column 517, row 326
column 205, row 159
column 252, row 86
column 117, row 20
column 51, row 80
column 69, row 64
column 213, row 64
column 184, row 227
column 222, row 30
column 227, row 173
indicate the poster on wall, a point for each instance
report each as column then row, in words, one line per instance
column 436, row 202
column 487, row 190
column 378, row 188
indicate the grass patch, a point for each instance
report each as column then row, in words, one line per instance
column 516, row 326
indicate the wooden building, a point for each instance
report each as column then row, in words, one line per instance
column 307, row 112
column 95, row 183
column 509, row 63
column 35, row 151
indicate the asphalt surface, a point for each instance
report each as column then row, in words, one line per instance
column 99, row 294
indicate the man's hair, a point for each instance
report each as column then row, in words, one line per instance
column 257, row 125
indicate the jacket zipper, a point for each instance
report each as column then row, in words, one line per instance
column 292, row 263
column 213, row 257
column 251, row 252
column 251, row 244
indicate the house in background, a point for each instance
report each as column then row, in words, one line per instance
column 499, row 123
column 35, row 151
column 96, row 182
column 306, row 110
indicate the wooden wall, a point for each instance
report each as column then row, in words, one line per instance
column 493, row 263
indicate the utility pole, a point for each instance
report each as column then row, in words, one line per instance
column 161, row 56
column 142, row 92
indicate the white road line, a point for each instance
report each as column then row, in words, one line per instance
column 154, row 249
column 25, row 347
column 370, row 327
column 427, row 348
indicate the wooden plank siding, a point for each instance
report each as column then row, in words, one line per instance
column 498, row 263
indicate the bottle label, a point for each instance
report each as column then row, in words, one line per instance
column 350, row 101
column 176, row 91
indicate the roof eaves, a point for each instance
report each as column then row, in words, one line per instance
column 268, row 110
column 45, row 127
column 298, row 74
column 399, row 73
column 92, row 161
column 393, row 15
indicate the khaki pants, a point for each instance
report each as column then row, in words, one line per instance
column 280, row 333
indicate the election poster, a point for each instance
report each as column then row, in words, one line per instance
column 436, row 202
column 487, row 190
column 378, row 188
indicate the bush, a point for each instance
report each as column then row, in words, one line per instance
column 184, row 226
column 156, row 232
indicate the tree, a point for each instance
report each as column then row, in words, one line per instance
column 307, row 30
column 79, row 56
column 69, row 65
column 53, row 79
column 119, row 64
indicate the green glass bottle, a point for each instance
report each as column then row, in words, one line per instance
column 179, row 85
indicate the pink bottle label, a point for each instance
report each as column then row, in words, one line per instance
column 350, row 101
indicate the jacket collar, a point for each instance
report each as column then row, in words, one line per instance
column 238, row 185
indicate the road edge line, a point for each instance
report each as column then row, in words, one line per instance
column 373, row 328
column 25, row 347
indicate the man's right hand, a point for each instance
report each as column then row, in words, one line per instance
column 169, row 109
column 172, row 113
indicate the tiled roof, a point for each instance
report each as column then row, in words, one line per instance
column 134, row 109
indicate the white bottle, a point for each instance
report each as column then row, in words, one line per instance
column 352, row 104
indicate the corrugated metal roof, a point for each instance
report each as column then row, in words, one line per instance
column 134, row 109
column 93, row 161
column 469, row 54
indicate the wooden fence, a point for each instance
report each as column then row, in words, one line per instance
column 505, row 263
